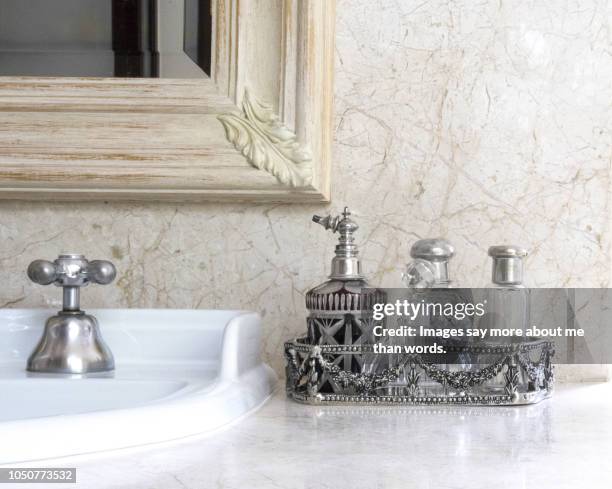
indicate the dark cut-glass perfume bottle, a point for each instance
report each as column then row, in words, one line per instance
column 338, row 309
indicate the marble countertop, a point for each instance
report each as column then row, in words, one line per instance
column 562, row 442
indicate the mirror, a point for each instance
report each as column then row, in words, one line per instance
column 257, row 129
column 106, row 38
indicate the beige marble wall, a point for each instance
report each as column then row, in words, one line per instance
column 484, row 122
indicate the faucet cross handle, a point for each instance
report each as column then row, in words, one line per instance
column 71, row 271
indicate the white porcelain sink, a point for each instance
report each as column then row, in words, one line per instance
column 178, row 373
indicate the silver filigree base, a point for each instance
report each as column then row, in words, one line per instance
column 483, row 374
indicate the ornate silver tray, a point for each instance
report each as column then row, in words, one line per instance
column 513, row 373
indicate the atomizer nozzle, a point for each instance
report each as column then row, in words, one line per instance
column 345, row 265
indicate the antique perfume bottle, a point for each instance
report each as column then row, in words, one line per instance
column 338, row 308
column 428, row 279
column 508, row 299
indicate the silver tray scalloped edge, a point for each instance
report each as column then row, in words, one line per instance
column 496, row 375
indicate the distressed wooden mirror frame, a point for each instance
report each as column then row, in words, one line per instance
column 258, row 130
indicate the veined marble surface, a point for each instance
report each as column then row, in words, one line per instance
column 564, row 442
column 483, row 121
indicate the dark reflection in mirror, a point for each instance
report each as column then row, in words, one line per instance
column 105, row 38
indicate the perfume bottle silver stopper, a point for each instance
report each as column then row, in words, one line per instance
column 437, row 252
column 507, row 267
column 430, row 264
column 346, row 264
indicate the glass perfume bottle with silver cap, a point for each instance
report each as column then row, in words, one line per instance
column 430, row 270
column 429, row 275
column 508, row 299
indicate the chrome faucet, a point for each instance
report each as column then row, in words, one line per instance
column 71, row 342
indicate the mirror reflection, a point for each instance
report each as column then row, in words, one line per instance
column 105, row 38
